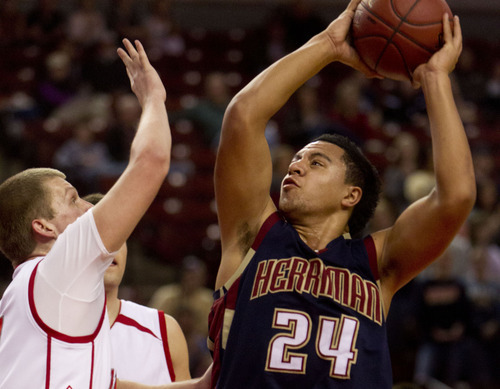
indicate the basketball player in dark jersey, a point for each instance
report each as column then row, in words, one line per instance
column 301, row 302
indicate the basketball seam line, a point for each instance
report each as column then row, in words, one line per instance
column 396, row 30
column 389, row 40
column 407, row 22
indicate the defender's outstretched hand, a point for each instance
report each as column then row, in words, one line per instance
column 342, row 50
column 445, row 59
column 144, row 79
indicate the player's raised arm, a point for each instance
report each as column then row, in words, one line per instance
column 123, row 206
column 243, row 167
column 426, row 228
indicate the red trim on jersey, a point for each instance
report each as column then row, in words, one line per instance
column 125, row 320
column 92, row 366
column 166, row 349
column 266, row 226
column 372, row 255
column 232, row 294
column 47, row 365
column 51, row 332
column 113, row 381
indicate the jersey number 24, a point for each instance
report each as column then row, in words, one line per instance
column 335, row 341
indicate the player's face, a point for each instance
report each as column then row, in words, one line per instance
column 315, row 181
column 66, row 203
column 114, row 273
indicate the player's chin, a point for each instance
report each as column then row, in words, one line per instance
column 286, row 204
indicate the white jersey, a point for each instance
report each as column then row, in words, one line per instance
column 140, row 346
column 34, row 354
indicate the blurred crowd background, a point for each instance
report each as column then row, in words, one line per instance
column 65, row 102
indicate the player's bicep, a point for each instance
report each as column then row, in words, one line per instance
column 243, row 172
column 419, row 236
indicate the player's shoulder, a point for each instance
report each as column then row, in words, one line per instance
column 129, row 307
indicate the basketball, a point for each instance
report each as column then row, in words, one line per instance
column 393, row 37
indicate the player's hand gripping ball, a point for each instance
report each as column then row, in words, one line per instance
column 393, row 37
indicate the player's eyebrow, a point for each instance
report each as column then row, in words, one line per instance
column 318, row 154
column 70, row 190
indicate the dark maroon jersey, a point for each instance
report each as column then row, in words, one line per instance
column 295, row 318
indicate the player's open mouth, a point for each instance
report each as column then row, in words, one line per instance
column 289, row 182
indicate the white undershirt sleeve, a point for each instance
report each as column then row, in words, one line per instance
column 69, row 289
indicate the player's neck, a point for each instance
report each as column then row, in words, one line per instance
column 113, row 306
column 39, row 251
column 317, row 234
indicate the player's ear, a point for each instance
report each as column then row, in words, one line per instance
column 43, row 229
column 352, row 197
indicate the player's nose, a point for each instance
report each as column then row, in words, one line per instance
column 296, row 167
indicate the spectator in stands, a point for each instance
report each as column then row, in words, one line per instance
column 405, row 158
column 208, row 112
column 448, row 353
column 189, row 301
column 492, row 99
column 484, row 293
column 126, row 115
column 45, row 23
column 190, row 291
column 59, row 84
column 101, row 68
column 305, row 118
column 12, row 24
column 85, row 159
column 469, row 77
column 163, row 35
column 86, row 24
column 125, row 18
column 346, row 114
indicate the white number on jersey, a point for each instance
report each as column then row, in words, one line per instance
column 335, row 341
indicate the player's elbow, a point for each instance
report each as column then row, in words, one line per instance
column 152, row 158
column 465, row 195
column 459, row 203
column 236, row 115
column 243, row 111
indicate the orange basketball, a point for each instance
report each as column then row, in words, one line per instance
column 393, row 37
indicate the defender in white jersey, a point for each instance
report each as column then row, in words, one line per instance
column 25, row 329
column 148, row 346
column 53, row 313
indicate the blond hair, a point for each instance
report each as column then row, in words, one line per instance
column 23, row 198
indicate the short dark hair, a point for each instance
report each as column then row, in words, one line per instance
column 359, row 172
column 93, row 198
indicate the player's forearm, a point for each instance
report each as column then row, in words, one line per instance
column 451, row 152
column 152, row 142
